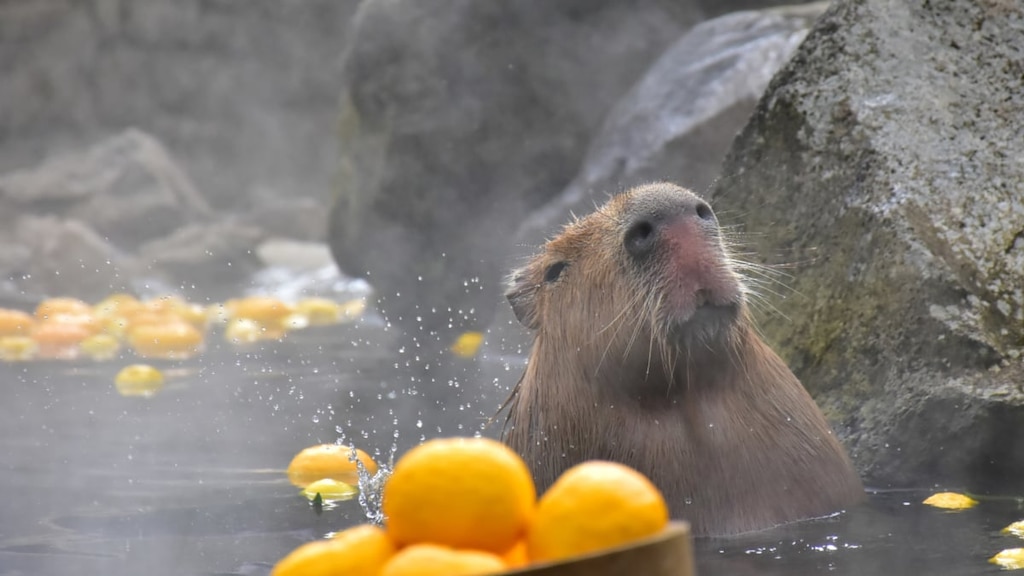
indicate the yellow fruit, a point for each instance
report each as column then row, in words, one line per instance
column 1009, row 559
column 195, row 315
column 176, row 339
column 352, row 310
column 267, row 311
column 467, row 344
column 116, row 305
column 460, row 492
column 59, row 340
column 243, row 331
column 950, row 501
column 17, row 348
column 359, row 550
column 15, row 322
column 139, row 380
column 165, row 304
column 100, row 346
column 327, row 461
column 434, row 560
column 1017, row 529
column 295, row 321
column 53, row 306
column 593, row 506
column 330, row 490
column 516, row 556
column 145, row 317
column 319, row 311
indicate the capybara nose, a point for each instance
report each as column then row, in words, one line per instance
column 644, row 230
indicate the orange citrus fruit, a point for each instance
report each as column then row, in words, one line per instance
column 15, row 322
column 592, row 506
column 328, row 461
column 319, row 311
column 263, row 309
column 116, row 305
column 516, row 557
column 139, row 380
column 59, row 340
column 360, row 550
column 434, row 560
column 175, row 339
column 100, row 346
column 460, row 492
column 17, row 348
column 52, row 306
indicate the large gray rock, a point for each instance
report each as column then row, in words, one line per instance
column 458, row 118
column 245, row 91
column 122, row 214
column 883, row 168
column 67, row 256
column 128, row 188
column 678, row 121
column 209, row 259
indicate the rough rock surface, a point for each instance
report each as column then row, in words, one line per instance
column 66, row 256
column 678, row 121
column 127, row 188
column 458, row 121
column 244, row 91
column 883, row 168
column 122, row 214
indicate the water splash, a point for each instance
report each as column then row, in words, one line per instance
column 371, row 486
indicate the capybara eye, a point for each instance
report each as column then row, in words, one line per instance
column 639, row 240
column 704, row 211
column 554, row 271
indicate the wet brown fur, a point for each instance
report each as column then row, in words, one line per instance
column 625, row 367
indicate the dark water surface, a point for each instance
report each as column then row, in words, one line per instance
column 190, row 481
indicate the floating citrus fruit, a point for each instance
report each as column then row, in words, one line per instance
column 15, row 322
column 139, row 380
column 435, row 560
column 266, row 310
column 100, row 346
column 1017, row 529
column 359, row 550
column 330, row 489
column 516, row 556
column 328, row 461
column 53, row 306
column 592, row 506
column 950, row 501
column 467, row 344
column 175, row 339
column 460, row 492
column 352, row 310
column 117, row 305
column 1009, row 559
column 17, row 348
column 59, row 340
column 195, row 315
column 319, row 311
column 243, row 331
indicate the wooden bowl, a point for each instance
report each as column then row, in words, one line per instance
column 669, row 553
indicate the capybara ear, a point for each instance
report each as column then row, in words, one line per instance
column 522, row 295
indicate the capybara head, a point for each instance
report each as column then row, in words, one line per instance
column 645, row 277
